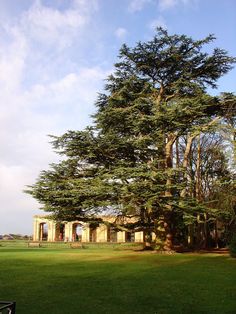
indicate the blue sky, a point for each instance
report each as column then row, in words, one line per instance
column 54, row 57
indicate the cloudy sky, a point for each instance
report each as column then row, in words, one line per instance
column 54, row 57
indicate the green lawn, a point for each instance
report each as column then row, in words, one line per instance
column 104, row 280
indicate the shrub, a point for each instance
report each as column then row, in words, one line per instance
column 232, row 246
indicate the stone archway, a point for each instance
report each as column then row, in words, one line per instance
column 77, row 229
column 129, row 236
column 60, row 232
column 93, row 232
column 43, row 231
column 111, row 234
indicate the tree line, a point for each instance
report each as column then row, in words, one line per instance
column 161, row 148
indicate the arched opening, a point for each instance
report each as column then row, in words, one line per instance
column 60, row 232
column 93, row 232
column 129, row 236
column 111, row 234
column 43, row 231
column 77, row 230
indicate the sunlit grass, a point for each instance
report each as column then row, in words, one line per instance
column 111, row 281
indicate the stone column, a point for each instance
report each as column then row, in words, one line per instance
column 138, row 236
column 40, row 232
column 67, row 232
column 121, row 236
column 49, row 239
column 50, row 231
column 36, row 230
column 70, row 229
column 102, row 233
column 85, row 233
column 53, row 232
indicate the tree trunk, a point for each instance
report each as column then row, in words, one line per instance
column 148, row 240
column 206, row 231
column 189, row 145
column 177, row 161
column 169, row 164
column 198, row 170
column 183, row 193
column 185, row 162
column 216, row 235
column 160, row 97
column 164, row 235
column 191, row 235
column 204, row 225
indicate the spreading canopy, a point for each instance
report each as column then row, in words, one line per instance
column 126, row 163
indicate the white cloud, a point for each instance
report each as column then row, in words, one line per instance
column 42, row 92
column 12, row 61
column 73, row 92
column 137, row 5
column 27, row 118
column 169, row 4
column 16, row 208
column 51, row 26
column 120, row 32
column 159, row 22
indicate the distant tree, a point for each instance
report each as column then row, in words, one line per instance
column 129, row 162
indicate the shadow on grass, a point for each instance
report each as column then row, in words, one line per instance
column 93, row 281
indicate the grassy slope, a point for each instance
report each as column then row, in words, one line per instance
column 109, row 281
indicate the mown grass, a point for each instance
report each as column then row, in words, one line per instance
column 48, row 280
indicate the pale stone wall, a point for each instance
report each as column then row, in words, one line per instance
column 51, row 228
column 85, row 233
column 138, row 236
column 121, row 236
column 68, row 231
column 102, row 233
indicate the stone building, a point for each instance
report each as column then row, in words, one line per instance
column 46, row 229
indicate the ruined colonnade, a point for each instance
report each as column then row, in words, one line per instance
column 49, row 230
